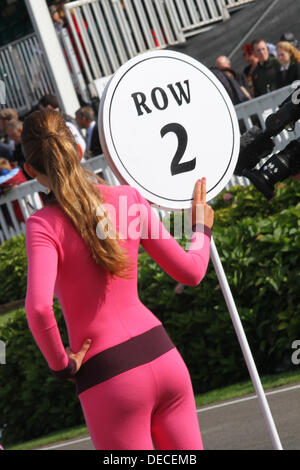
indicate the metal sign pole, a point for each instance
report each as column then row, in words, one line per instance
column 245, row 347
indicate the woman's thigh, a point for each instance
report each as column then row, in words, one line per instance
column 118, row 411
column 174, row 422
column 152, row 402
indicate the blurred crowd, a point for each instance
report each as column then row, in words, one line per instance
column 269, row 67
column 82, row 126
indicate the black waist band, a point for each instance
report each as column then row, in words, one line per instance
column 123, row 357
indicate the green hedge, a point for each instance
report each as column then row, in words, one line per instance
column 261, row 258
column 13, row 269
column 259, row 245
column 33, row 402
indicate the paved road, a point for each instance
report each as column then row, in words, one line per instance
column 263, row 18
column 237, row 424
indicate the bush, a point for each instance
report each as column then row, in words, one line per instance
column 13, row 269
column 260, row 254
column 33, row 402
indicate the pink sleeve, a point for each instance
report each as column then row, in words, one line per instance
column 186, row 267
column 42, row 254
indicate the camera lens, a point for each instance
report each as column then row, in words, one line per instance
column 255, row 145
column 277, row 168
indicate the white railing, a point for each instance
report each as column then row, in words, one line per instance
column 249, row 113
column 230, row 4
column 108, row 33
column 28, row 198
column 192, row 15
column 25, row 73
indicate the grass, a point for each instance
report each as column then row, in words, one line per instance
column 214, row 396
column 246, row 388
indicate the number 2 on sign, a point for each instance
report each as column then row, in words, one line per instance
column 176, row 166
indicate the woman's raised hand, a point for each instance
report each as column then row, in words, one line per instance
column 202, row 213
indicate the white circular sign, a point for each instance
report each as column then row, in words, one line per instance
column 165, row 120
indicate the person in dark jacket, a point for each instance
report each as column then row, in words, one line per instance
column 252, row 62
column 14, row 130
column 224, row 63
column 86, row 119
column 289, row 59
column 232, row 87
column 264, row 77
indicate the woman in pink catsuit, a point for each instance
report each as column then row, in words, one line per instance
column 134, row 387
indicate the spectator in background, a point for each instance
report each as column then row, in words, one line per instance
column 10, row 177
column 96, row 148
column 289, row 59
column 51, row 102
column 252, row 62
column 85, row 118
column 232, row 87
column 224, row 63
column 264, row 76
column 272, row 49
column 57, row 21
column 289, row 37
column 7, row 146
column 14, row 130
column 60, row 21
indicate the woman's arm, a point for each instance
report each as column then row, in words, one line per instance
column 186, row 267
column 42, row 254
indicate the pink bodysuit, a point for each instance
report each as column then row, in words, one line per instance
column 134, row 388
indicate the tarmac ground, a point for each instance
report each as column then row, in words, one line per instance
column 237, row 424
column 267, row 19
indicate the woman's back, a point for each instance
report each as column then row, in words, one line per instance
column 96, row 306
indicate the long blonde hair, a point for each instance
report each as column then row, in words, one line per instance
column 292, row 50
column 50, row 148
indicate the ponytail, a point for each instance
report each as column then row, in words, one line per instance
column 50, row 148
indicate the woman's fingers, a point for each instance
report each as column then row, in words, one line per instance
column 203, row 191
column 200, row 191
column 84, row 348
column 78, row 357
column 201, row 212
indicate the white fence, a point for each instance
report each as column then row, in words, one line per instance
column 249, row 113
column 27, row 197
column 107, row 33
column 230, row 4
column 192, row 15
column 25, row 73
